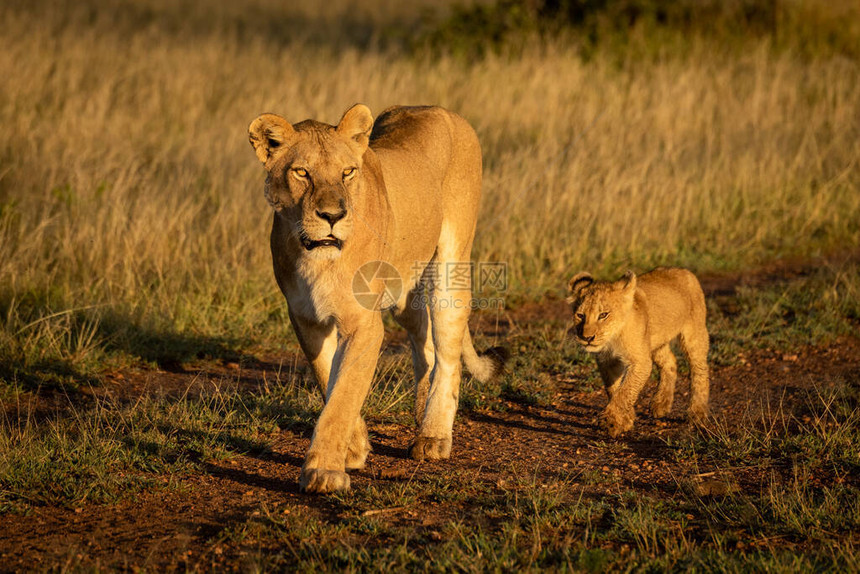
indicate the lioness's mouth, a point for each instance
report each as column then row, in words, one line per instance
column 330, row 241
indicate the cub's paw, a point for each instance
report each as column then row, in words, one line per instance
column 320, row 481
column 425, row 448
column 660, row 406
column 616, row 422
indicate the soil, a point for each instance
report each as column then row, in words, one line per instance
column 178, row 527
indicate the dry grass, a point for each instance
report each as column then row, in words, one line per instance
column 129, row 194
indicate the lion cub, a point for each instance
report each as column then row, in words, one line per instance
column 628, row 324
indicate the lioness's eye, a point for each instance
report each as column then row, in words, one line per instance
column 348, row 172
column 301, row 173
column 603, row 316
column 579, row 316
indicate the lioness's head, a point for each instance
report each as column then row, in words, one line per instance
column 600, row 308
column 314, row 175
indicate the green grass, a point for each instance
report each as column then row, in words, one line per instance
column 819, row 435
column 103, row 450
column 808, row 310
column 529, row 525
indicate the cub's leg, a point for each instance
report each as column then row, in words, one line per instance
column 415, row 318
column 619, row 414
column 611, row 371
column 319, row 343
column 695, row 342
column 665, row 360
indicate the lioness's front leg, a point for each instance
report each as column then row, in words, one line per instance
column 319, row 344
column 354, row 363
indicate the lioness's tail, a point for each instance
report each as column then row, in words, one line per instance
column 486, row 366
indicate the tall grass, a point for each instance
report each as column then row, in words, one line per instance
column 130, row 199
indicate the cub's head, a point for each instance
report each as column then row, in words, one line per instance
column 314, row 175
column 600, row 308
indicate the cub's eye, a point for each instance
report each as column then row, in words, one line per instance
column 579, row 316
column 273, row 143
column 300, row 172
column 348, row 173
column 602, row 316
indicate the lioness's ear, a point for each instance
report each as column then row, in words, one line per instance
column 356, row 124
column 267, row 133
column 578, row 282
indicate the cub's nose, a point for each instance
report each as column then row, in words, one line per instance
column 331, row 215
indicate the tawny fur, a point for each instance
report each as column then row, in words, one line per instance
column 628, row 324
column 404, row 190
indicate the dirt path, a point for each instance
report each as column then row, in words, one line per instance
column 175, row 527
column 180, row 526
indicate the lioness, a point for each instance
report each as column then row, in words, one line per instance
column 630, row 322
column 360, row 207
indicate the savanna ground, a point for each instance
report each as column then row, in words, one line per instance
column 155, row 407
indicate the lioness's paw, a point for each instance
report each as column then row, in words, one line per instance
column 425, row 448
column 616, row 422
column 322, row 481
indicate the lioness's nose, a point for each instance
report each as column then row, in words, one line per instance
column 332, row 216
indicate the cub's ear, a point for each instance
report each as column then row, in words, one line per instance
column 268, row 133
column 578, row 282
column 356, row 124
column 628, row 283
